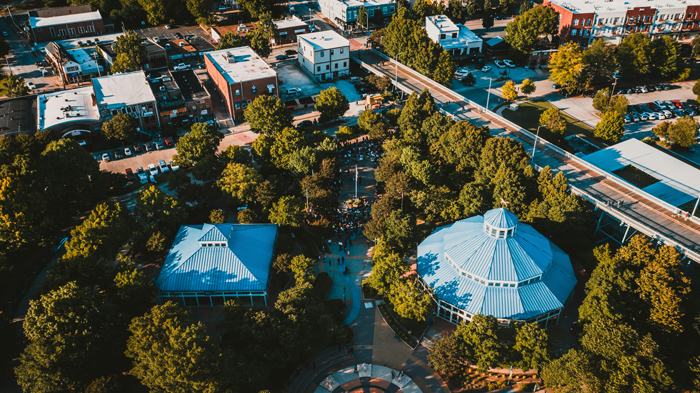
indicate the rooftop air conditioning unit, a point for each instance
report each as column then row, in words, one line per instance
column 162, row 88
column 182, row 43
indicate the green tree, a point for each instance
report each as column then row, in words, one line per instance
column 239, row 182
column 368, row 118
column 445, row 357
column 524, row 31
column 207, row 169
column 696, row 89
column 487, row 19
column 456, row 11
column 482, row 341
column 4, row 47
column 566, row 66
column 288, row 210
column 508, row 91
column 231, row 40
column 199, row 8
column 332, row 104
column 257, row 8
column 217, row 216
column 121, row 127
column 684, row 132
column 282, row 263
column 634, row 55
column 531, row 347
column 445, row 70
column 610, row 128
column 130, row 52
column 527, row 87
column 74, row 338
column 303, row 161
column 303, row 269
column 260, row 42
column 268, row 115
column 422, row 8
column 665, row 57
column 471, row 8
column 156, row 209
column 156, row 242
column 400, row 231
column 235, row 153
column 265, row 194
column 575, row 371
column 101, row 234
column 171, row 352
column 505, row 6
column 246, row 216
column 599, row 60
column 13, row 86
column 362, row 18
column 553, row 120
column 410, row 300
column 135, row 293
column 286, row 143
column 201, row 141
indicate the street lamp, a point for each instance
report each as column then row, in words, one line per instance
column 613, row 91
column 535, row 144
column 397, row 67
column 489, row 94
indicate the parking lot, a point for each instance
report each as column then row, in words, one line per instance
column 291, row 76
column 172, row 34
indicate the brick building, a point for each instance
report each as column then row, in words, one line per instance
column 127, row 93
column 67, row 22
column 241, row 76
column 582, row 22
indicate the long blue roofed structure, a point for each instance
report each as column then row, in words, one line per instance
column 211, row 263
column 495, row 265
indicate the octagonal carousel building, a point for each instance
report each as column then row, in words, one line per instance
column 495, row 265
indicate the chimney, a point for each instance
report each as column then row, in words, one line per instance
column 94, row 99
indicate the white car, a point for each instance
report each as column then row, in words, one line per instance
column 293, row 90
column 668, row 114
column 627, row 119
column 163, row 166
column 181, row 66
column 650, row 115
column 644, row 89
column 499, row 64
column 509, row 63
column 644, row 116
column 105, row 157
column 127, row 152
column 660, row 115
column 660, row 104
column 486, row 68
column 173, row 166
column 31, row 85
column 153, row 169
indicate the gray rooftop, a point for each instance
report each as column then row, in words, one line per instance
column 240, row 64
column 190, row 85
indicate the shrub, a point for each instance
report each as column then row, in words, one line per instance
column 368, row 291
column 336, row 306
column 344, row 335
column 322, row 285
column 282, row 262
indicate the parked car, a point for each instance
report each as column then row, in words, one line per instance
column 137, row 149
column 159, row 145
column 129, row 174
column 163, row 166
column 643, row 89
column 168, row 142
column 173, row 166
column 222, row 7
column 293, row 91
column 148, row 146
column 668, row 114
column 660, row 115
column 142, row 175
column 127, row 152
column 290, row 52
column 281, row 57
column 31, row 85
column 152, row 169
column 651, row 115
column 660, row 104
column 627, row 119
column 106, row 157
column 677, row 104
column 679, row 113
column 167, row 27
column 181, row 66
column 499, row 64
column 509, row 63
column 634, row 116
column 356, row 79
column 644, row 116
column 486, row 68
column 118, row 154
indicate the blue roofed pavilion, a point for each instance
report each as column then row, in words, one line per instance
column 211, row 263
column 495, row 265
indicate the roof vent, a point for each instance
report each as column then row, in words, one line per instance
column 182, row 43
column 162, row 88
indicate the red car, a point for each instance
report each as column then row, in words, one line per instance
column 678, row 104
column 129, row 174
column 168, row 142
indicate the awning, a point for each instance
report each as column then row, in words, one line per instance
column 270, row 87
column 284, row 33
column 300, row 31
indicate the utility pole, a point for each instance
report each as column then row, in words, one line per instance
column 357, row 174
column 695, row 208
column 488, row 96
column 534, row 146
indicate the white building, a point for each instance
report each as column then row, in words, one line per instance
column 68, row 112
column 324, row 54
column 455, row 38
column 74, row 65
column 127, row 93
column 344, row 13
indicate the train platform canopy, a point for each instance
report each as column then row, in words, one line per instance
column 662, row 175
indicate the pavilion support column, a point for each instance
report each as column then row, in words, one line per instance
column 624, row 237
column 602, row 213
column 251, row 300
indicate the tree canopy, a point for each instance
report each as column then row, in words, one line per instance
column 130, row 53
column 267, row 115
column 524, row 31
column 332, row 104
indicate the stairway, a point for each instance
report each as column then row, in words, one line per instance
column 325, row 359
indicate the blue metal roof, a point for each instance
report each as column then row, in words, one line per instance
column 243, row 265
column 500, row 218
column 525, row 255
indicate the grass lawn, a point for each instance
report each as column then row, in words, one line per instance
column 528, row 117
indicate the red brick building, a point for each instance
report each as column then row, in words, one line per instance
column 67, row 22
column 241, row 76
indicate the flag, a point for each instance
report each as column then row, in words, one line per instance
column 357, row 174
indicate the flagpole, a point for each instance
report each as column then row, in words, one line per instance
column 356, row 176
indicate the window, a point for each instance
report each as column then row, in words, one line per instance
column 341, row 50
column 573, row 32
column 588, row 22
column 238, row 92
column 61, row 32
column 254, row 90
column 80, row 30
column 616, row 20
column 71, row 31
column 336, row 66
column 391, row 9
column 454, row 35
column 498, row 284
column 490, row 284
column 331, row 52
column 53, row 32
column 318, row 69
column 38, row 29
column 575, row 22
column 442, row 36
column 345, row 64
column 89, row 29
column 328, row 67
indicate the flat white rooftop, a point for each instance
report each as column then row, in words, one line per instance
column 36, row 21
column 86, row 58
column 442, row 22
column 74, row 42
column 240, row 64
column 590, row 6
column 289, row 23
column 368, row 3
column 679, row 183
column 65, row 107
column 327, row 39
column 122, row 89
